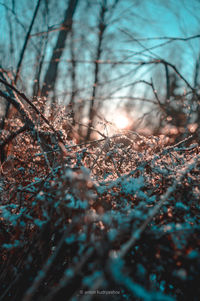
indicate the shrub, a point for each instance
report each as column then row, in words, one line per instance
column 119, row 215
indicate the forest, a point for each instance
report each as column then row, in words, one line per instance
column 99, row 150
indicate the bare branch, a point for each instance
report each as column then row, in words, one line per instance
column 26, row 41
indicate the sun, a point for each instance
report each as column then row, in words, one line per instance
column 121, row 121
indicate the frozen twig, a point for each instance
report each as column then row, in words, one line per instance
column 136, row 234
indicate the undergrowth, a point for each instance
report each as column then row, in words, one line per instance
column 119, row 215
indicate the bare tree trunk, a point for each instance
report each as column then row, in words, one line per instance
column 101, row 27
column 73, row 77
column 167, row 82
column 36, row 85
column 52, row 70
column 40, row 58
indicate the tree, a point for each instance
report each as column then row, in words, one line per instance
column 52, row 70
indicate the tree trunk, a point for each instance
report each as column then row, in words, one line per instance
column 52, row 70
column 101, row 27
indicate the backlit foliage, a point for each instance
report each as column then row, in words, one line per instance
column 120, row 213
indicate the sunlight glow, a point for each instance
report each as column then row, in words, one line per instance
column 121, row 121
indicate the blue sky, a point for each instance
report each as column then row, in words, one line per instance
column 156, row 18
column 142, row 19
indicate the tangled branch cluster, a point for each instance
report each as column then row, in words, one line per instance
column 118, row 215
